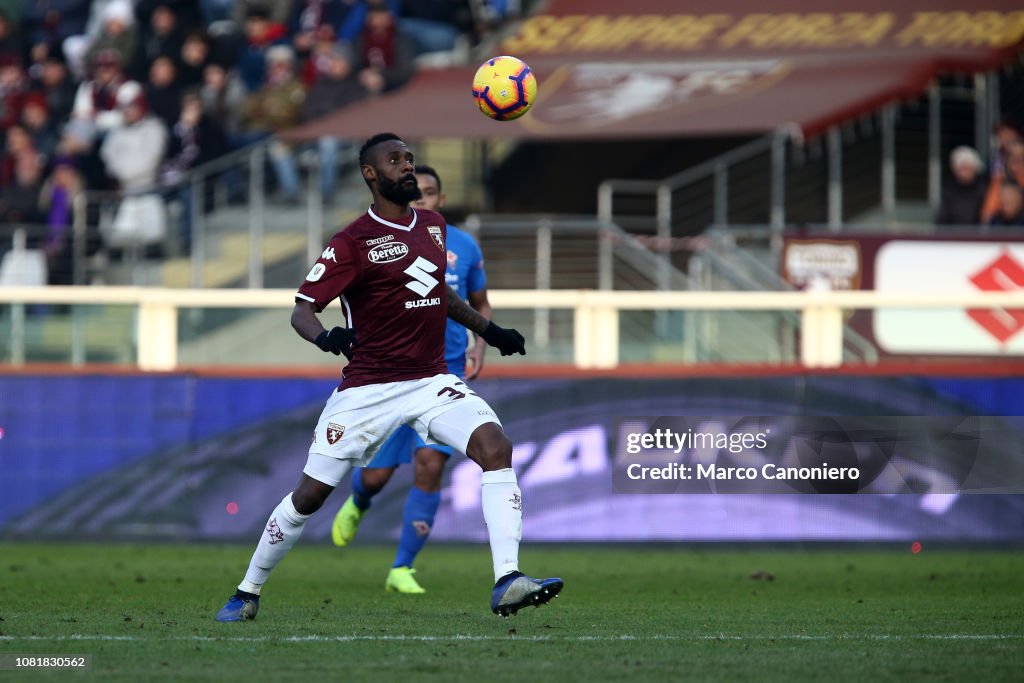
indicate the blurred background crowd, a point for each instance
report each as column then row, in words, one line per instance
column 127, row 96
column 108, row 107
column 987, row 193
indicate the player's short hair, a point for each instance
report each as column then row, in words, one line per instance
column 423, row 169
column 364, row 151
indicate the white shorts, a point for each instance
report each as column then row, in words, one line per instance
column 356, row 422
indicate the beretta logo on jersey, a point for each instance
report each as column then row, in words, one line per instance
column 435, row 232
column 387, row 252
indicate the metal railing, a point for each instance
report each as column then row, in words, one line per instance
column 772, row 177
column 722, row 259
column 667, row 214
column 596, row 314
column 226, row 199
column 244, row 168
column 589, row 253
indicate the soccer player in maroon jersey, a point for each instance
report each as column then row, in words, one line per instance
column 387, row 267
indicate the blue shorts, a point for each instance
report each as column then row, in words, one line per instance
column 399, row 447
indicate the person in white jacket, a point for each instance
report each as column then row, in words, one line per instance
column 133, row 151
column 132, row 154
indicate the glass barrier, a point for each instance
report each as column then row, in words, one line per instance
column 61, row 333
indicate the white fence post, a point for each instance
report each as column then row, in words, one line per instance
column 821, row 335
column 595, row 334
column 157, row 334
column 606, row 337
column 583, row 336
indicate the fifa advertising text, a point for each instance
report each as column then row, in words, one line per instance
column 799, row 454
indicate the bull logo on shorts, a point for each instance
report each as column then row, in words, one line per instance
column 435, row 233
column 334, row 433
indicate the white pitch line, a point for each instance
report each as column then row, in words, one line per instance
column 507, row 638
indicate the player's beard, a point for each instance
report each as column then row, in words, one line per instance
column 399, row 192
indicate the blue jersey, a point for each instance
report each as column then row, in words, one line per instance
column 466, row 275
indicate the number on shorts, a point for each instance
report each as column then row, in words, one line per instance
column 456, row 394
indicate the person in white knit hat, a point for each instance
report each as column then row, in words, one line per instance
column 964, row 194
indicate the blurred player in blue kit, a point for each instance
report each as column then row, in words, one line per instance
column 465, row 274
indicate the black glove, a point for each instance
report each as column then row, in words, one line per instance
column 507, row 341
column 338, row 341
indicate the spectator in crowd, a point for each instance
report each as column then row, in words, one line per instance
column 19, row 199
column 309, row 17
column 435, row 25
column 964, row 194
column 17, row 146
column 52, row 21
column 493, row 12
column 11, row 46
column 195, row 139
column 96, row 100
column 163, row 94
column 260, row 35
column 133, row 151
column 195, row 55
column 56, row 203
column 383, row 54
column 355, row 17
column 132, row 154
column 1007, row 131
column 334, row 87
column 432, row 24
column 1011, row 206
column 54, row 81
column 323, row 45
column 274, row 108
column 13, row 90
column 35, row 117
column 38, row 55
column 163, row 38
column 187, row 13
column 223, row 95
column 277, row 11
column 1013, row 172
column 116, row 33
column 215, row 10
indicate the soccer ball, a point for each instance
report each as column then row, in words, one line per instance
column 504, row 88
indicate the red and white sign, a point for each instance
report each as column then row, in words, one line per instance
column 937, row 267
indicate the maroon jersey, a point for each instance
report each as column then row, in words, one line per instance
column 390, row 278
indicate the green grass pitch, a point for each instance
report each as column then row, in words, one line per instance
column 627, row 614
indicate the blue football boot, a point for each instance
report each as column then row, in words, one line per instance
column 516, row 590
column 239, row 608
